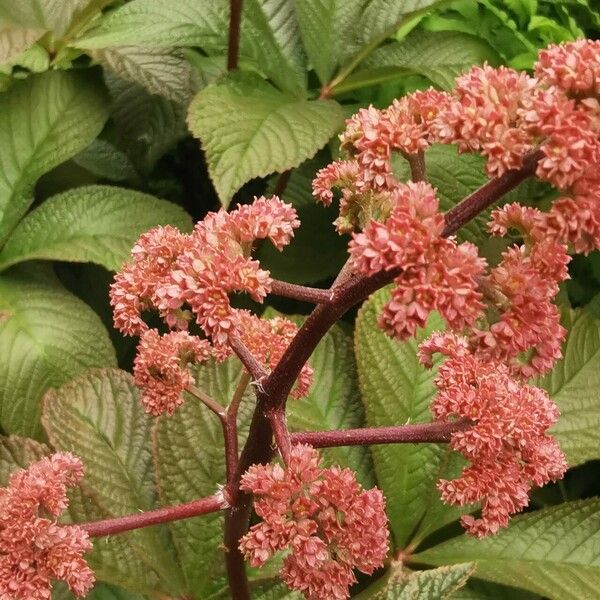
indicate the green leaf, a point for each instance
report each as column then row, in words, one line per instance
column 96, row 224
column 44, row 120
column 18, row 453
column 573, row 384
column 47, row 336
column 189, row 455
column 554, row 552
column 15, row 40
column 476, row 589
column 397, row 389
column 334, row 402
column 249, row 129
column 104, row 160
column 98, row 417
column 438, row 583
column 320, row 23
column 438, row 56
column 146, row 126
column 160, row 71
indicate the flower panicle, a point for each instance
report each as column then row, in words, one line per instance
column 34, row 549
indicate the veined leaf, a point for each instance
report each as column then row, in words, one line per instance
column 397, row 389
column 101, row 591
column 18, row 453
column 98, row 417
column 477, row 589
column 160, row 71
column 44, row 120
column 438, row 56
column 573, row 384
column 14, row 40
column 146, row 126
column 438, row 583
column 249, row 129
column 554, row 552
column 47, row 336
column 103, row 159
column 96, row 224
column 189, row 457
column 334, row 402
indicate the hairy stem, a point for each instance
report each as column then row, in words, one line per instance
column 399, row 434
column 195, row 508
column 300, row 292
column 230, row 430
column 248, row 359
column 233, row 48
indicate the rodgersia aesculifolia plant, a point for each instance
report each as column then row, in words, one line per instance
column 501, row 329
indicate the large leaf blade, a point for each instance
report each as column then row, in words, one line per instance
column 44, row 120
column 47, row 336
column 554, row 552
column 96, row 224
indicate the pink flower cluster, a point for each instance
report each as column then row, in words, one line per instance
column 329, row 524
column 435, row 273
column 35, row 550
column 182, row 276
column 508, row 448
column 160, row 368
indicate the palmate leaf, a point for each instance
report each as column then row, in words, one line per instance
column 554, row 552
column 249, row 129
column 44, row 120
column 189, row 456
column 397, row 389
column 98, row 417
column 573, row 384
column 96, row 224
column 47, row 336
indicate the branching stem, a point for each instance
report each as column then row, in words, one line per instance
column 300, row 292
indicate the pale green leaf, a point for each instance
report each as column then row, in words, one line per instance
column 160, row 71
column 146, row 126
column 477, row 589
column 51, row 15
column 334, row 402
column 98, row 417
column 554, row 552
column 438, row 583
column 397, row 389
column 47, row 336
column 438, row 56
column 574, row 385
column 44, row 120
column 18, row 453
column 101, row 591
column 189, row 454
column 249, row 129
column 96, row 224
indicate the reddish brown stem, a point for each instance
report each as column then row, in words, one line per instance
column 417, row 166
column 195, row 508
column 282, row 182
column 281, row 434
column 209, row 402
column 489, row 193
column 248, row 359
column 300, row 292
column 233, row 47
column 400, row 434
column 230, row 430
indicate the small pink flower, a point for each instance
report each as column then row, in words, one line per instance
column 35, row 550
column 323, row 516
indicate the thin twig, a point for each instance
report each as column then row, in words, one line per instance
column 282, row 182
column 400, row 434
column 207, row 401
column 281, row 434
column 230, row 430
column 248, row 359
column 300, row 292
column 233, row 48
column 167, row 514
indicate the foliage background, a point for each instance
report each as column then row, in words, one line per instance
column 101, row 106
